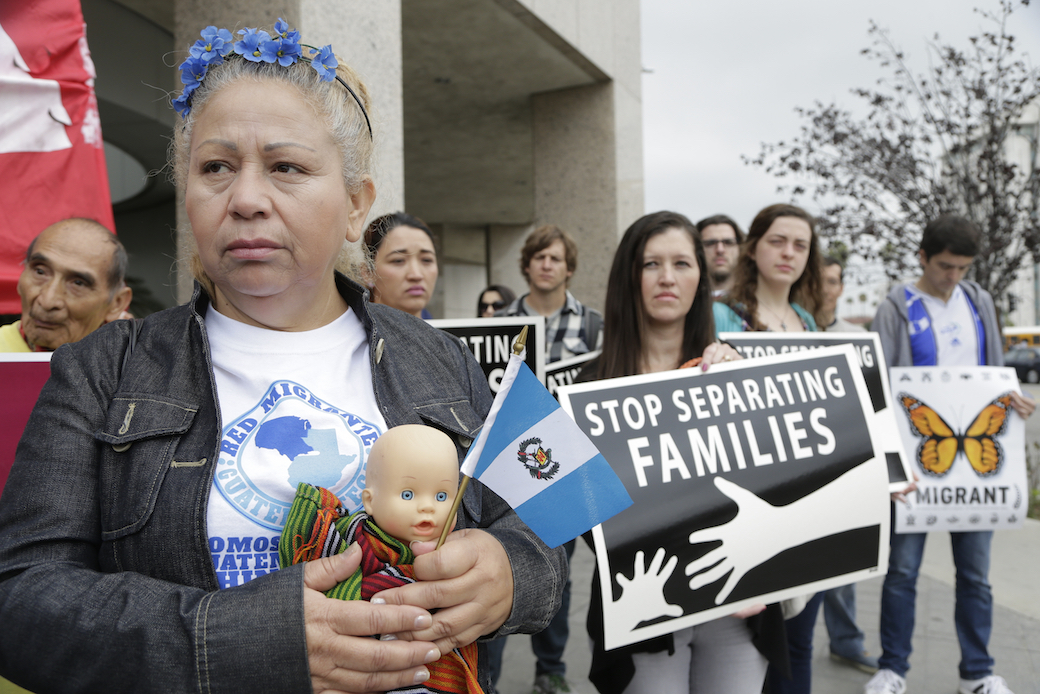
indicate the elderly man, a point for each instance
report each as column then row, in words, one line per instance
column 72, row 284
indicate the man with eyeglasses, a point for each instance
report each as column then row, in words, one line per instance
column 721, row 237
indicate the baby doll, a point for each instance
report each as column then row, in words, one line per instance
column 411, row 480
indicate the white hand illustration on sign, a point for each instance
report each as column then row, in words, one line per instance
column 761, row 531
column 642, row 597
column 32, row 116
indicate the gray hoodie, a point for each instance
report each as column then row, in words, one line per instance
column 891, row 323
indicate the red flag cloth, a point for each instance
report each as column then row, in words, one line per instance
column 23, row 376
column 51, row 150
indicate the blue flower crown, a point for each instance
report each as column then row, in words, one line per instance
column 256, row 46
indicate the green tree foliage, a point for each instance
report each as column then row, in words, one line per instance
column 929, row 144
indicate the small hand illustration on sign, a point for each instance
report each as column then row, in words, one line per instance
column 642, row 596
column 760, row 531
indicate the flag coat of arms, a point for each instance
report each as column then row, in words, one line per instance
column 532, row 454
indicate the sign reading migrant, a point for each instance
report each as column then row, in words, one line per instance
column 491, row 342
column 872, row 363
column 754, row 482
column 967, row 446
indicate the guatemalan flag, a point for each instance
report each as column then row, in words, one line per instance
column 532, row 454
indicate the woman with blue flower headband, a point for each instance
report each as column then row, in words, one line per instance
column 140, row 524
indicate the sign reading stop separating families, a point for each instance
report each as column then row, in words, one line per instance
column 491, row 342
column 756, row 481
column 875, row 374
column 967, row 446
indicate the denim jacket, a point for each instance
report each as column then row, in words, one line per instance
column 106, row 580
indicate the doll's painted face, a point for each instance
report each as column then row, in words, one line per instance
column 411, row 482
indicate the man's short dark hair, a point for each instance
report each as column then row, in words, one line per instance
column 829, row 260
column 543, row 237
column 721, row 219
column 116, row 275
column 952, row 233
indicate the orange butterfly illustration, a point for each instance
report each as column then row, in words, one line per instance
column 940, row 443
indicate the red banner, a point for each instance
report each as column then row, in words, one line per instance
column 51, row 150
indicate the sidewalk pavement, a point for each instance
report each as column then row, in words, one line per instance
column 1014, row 574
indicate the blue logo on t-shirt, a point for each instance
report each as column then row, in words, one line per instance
column 291, row 436
column 314, row 452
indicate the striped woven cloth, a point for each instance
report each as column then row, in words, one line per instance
column 318, row 526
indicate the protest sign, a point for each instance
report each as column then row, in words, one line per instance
column 966, row 444
column 563, row 372
column 23, row 375
column 871, row 361
column 741, row 491
column 491, row 342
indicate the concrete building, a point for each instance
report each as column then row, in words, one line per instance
column 491, row 116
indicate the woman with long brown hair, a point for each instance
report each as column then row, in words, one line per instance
column 777, row 283
column 777, row 287
column 658, row 317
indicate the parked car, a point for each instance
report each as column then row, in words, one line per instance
column 1026, row 361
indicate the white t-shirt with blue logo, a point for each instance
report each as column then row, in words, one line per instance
column 295, row 407
column 953, row 325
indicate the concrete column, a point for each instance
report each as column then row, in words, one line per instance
column 192, row 16
column 575, row 177
column 505, row 243
column 366, row 35
column 627, row 73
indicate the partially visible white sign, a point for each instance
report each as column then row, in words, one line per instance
column 967, row 446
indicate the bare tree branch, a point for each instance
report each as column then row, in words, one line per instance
column 929, row 144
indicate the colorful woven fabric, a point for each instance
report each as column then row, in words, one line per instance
column 318, row 527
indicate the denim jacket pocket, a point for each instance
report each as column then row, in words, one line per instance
column 137, row 443
column 459, row 420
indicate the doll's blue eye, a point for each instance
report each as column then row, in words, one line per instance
column 407, row 495
column 442, row 496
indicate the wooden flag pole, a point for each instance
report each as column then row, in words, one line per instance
column 518, row 348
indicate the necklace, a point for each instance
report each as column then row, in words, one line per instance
column 783, row 325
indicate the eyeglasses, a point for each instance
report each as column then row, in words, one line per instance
column 497, row 305
column 711, row 243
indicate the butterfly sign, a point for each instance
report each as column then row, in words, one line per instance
column 967, row 446
column 940, row 444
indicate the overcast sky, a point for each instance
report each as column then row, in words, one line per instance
column 726, row 76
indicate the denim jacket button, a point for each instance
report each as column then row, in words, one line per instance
column 379, row 350
column 121, row 447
